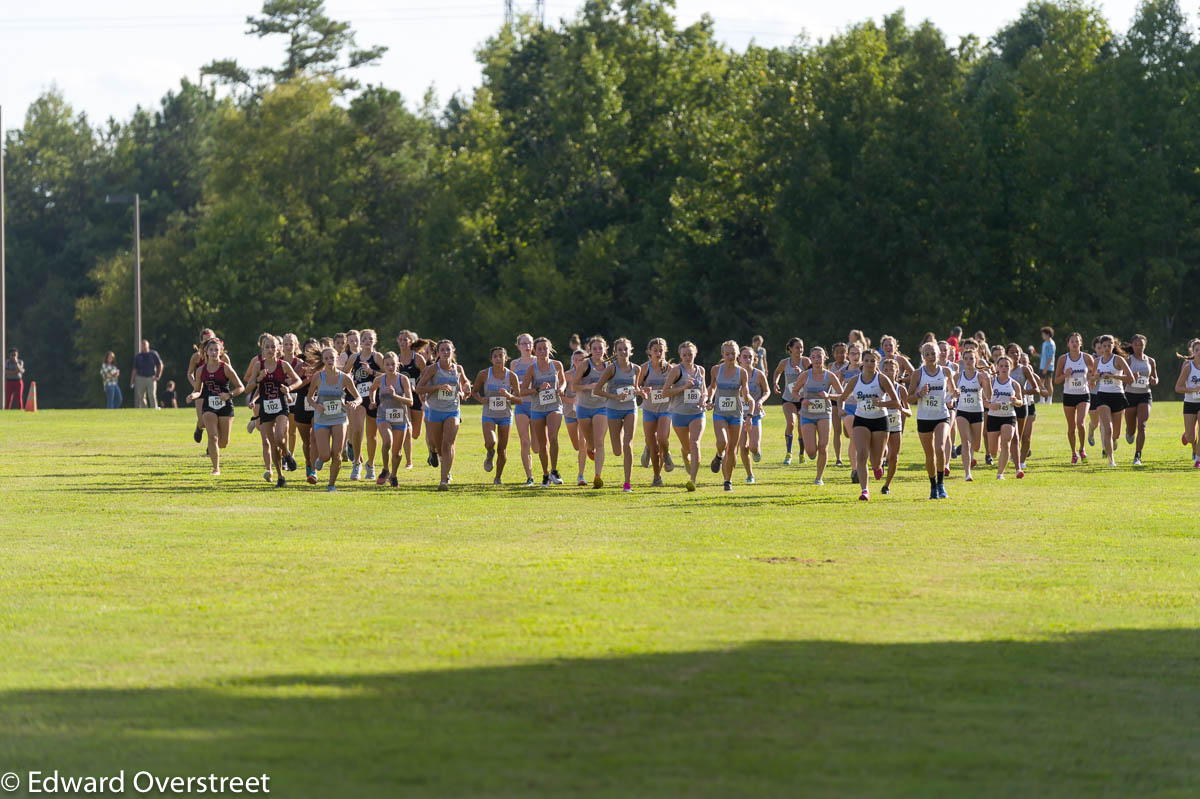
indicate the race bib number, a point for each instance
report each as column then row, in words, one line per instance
column 817, row 405
column 867, row 403
column 969, row 401
column 308, row 406
column 1142, row 381
column 691, row 396
column 547, row 396
column 445, row 393
column 932, row 402
column 1077, row 383
column 216, row 403
column 656, row 395
column 625, row 394
column 727, row 404
column 395, row 415
column 893, row 418
column 1005, row 407
column 1108, row 382
column 497, row 404
column 274, row 405
column 332, row 407
column 364, row 389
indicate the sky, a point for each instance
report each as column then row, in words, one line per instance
column 108, row 58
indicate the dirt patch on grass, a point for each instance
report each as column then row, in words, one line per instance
column 789, row 559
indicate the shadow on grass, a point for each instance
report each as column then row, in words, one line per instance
column 1112, row 713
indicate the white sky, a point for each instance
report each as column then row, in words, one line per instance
column 111, row 56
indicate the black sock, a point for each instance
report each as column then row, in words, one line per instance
column 933, row 482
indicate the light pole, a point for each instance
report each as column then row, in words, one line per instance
column 136, row 200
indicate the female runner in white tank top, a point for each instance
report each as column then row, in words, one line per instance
column 931, row 388
column 618, row 386
column 1002, row 394
column 1112, row 375
column 969, row 387
column 1188, row 385
column 544, row 384
column 873, row 394
column 1032, row 385
column 759, row 388
column 728, row 393
column 945, row 358
column 687, row 389
column 496, row 389
column 1074, row 372
column 590, row 408
column 785, row 375
column 656, row 410
column 850, row 370
column 363, row 367
column 818, row 387
column 1145, row 378
column 895, row 417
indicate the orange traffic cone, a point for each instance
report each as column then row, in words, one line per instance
column 31, row 399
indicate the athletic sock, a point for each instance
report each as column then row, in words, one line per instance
column 933, row 482
column 788, row 439
column 941, row 478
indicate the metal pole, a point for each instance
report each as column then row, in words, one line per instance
column 3, row 296
column 137, row 273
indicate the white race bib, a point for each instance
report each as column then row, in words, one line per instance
column 625, row 394
column 308, row 406
column 968, row 401
column 497, row 404
column 1005, row 407
column 1108, row 382
column 1077, row 383
column 893, row 418
column 656, row 395
column 445, row 393
column 691, row 396
column 363, row 389
column 817, row 405
column 932, row 401
column 274, row 405
column 867, row 404
column 216, row 403
column 332, row 407
column 727, row 404
column 547, row 396
column 395, row 415
column 1142, row 381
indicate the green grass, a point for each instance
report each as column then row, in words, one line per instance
column 1036, row 637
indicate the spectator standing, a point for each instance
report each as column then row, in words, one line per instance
column 110, row 374
column 168, row 398
column 760, row 353
column 147, row 369
column 14, row 381
column 953, row 339
column 1047, row 364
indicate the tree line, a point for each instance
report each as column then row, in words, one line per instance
column 621, row 174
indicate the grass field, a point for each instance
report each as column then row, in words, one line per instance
column 1037, row 637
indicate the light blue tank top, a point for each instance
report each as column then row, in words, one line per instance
column 817, row 407
column 445, row 399
column 591, row 376
column 621, row 379
column 692, row 380
column 519, row 370
column 492, row 390
column 727, row 402
column 655, row 381
column 330, row 397
column 791, row 373
column 545, row 381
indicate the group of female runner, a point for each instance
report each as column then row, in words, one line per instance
column 331, row 394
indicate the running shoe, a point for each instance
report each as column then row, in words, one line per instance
column 645, row 457
column 432, row 460
column 310, row 476
column 865, row 495
column 1116, row 445
column 987, row 459
column 757, row 454
column 970, row 478
column 818, row 482
column 546, row 481
column 487, row 460
column 330, row 487
column 957, row 453
column 668, row 464
column 714, row 465
column 1129, row 438
column 933, row 494
column 555, row 478
column 392, row 481
column 1183, row 439
column 581, row 481
column 839, row 464
column 878, row 473
column 250, row 426
column 800, row 457
column 198, row 436
column 750, row 480
column 728, row 485
column 496, row 481
column 591, row 454
column 267, row 475
column 215, row 473
column 528, row 482
column 290, row 462
column 597, row 482
column 883, row 463
column 355, row 470
column 1074, row 458
column 999, row 476
column 1195, row 464
column 408, row 465
column 383, row 477
column 626, row 488
column 443, row 486
column 349, row 451
column 942, row 491
column 1137, row 459
column 370, row 471
column 1091, row 438
column 280, row 483
column 317, row 464
column 689, row 485
column 946, row 472
column 974, row 463
column 1021, row 474
column 854, row 475
column 787, row 459
column 887, row 490
column 1082, row 456
column 1022, row 466
column 657, row 482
